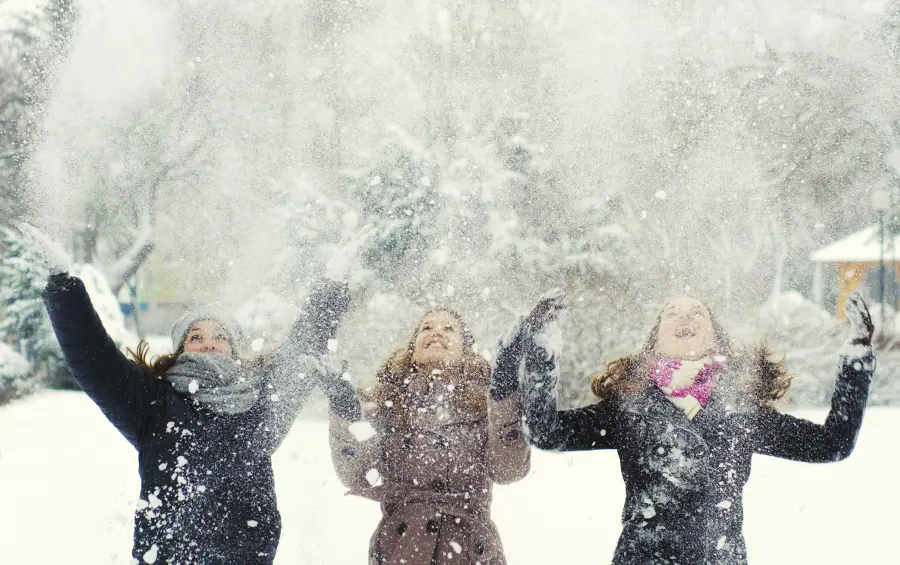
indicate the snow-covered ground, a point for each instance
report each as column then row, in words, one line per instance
column 68, row 483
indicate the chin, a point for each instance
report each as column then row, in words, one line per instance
column 432, row 355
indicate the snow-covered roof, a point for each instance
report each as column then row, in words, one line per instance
column 863, row 246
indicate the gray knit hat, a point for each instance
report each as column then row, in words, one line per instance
column 182, row 326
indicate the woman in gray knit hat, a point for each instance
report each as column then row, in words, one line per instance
column 204, row 422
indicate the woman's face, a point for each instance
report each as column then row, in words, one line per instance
column 685, row 330
column 439, row 339
column 207, row 336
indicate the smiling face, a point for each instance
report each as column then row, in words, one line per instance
column 685, row 330
column 439, row 339
column 206, row 336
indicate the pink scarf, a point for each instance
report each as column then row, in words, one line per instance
column 689, row 397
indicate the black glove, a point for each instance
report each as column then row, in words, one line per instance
column 519, row 340
column 861, row 327
column 342, row 397
column 329, row 298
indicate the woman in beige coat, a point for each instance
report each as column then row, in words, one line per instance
column 440, row 444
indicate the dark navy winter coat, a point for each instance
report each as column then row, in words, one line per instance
column 684, row 479
column 207, row 488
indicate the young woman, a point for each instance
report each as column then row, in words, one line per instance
column 440, row 445
column 686, row 415
column 205, row 424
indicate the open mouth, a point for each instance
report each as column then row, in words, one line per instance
column 435, row 343
column 685, row 330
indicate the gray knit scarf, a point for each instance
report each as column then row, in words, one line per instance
column 215, row 381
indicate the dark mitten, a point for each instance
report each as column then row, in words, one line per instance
column 342, row 397
column 520, row 339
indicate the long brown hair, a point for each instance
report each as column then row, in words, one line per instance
column 471, row 376
column 767, row 380
column 154, row 367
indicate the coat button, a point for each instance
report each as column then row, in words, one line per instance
column 432, row 526
column 438, row 485
column 401, row 529
column 407, row 443
column 512, row 435
column 479, row 548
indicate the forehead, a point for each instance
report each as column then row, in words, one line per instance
column 683, row 303
column 206, row 326
column 440, row 318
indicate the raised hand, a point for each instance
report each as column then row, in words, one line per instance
column 546, row 311
column 342, row 397
column 861, row 327
column 329, row 297
column 338, row 265
column 519, row 342
column 52, row 255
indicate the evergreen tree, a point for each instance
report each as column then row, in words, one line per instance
column 22, row 313
column 16, row 377
column 398, row 193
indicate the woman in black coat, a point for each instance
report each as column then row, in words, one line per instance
column 204, row 424
column 685, row 416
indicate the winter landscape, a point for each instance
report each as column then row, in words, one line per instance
column 71, row 483
column 418, row 154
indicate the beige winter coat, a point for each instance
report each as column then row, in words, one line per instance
column 434, row 476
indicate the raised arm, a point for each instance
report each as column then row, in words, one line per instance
column 115, row 384
column 319, row 318
column 781, row 435
column 591, row 427
column 581, row 429
column 295, row 370
column 291, row 375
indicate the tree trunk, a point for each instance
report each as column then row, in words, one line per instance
column 126, row 265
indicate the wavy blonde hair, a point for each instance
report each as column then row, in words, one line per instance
column 471, row 376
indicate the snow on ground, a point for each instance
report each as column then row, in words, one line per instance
column 68, row 484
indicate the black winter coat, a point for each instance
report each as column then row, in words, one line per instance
column 207, row 488
column 684, row 479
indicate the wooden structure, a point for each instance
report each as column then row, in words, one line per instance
column 854, row 256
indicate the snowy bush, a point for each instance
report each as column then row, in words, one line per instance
column 22, row 312
column 16, row 377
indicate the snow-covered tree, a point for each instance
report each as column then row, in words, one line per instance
column 24, row 319
column 34, row 35
column 16, row 377
column 398, row 193
column 22, row 313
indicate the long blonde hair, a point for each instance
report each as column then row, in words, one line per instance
column 471, row 376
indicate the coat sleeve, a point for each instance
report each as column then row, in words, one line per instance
column 319, row 318
column 294, row 371
column 587, row 428
column 781, row 435
column 114, row 383
column 357, row 463
column 509, row 455
column 288, row 381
